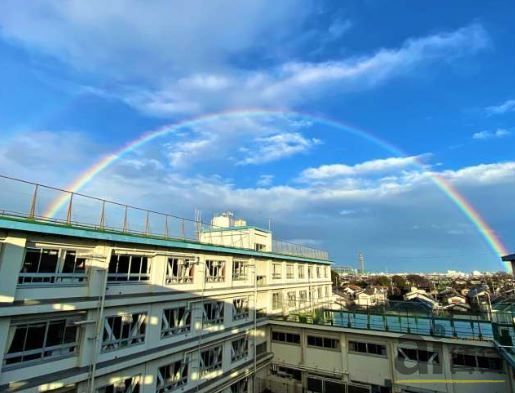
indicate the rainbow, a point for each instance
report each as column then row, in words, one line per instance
column 468, row 210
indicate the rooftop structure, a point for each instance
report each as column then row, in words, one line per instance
column 511, row 259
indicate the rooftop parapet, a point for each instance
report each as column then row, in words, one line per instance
column 36, row 202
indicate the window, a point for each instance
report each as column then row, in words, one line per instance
column 476, row 361
column 321, row 384
column 242, row 386
column 35, row 341
column 319, row 293
column 172, row 376
column 310, row 272
column 276, row 300
column 211, row 359
column 324, row 342
column 289, row 272
column 292, row 300
column 42, row 265
column 73, row 264
column 301, row 271
column 128, row 268
column 260, row 348
column 259, row 247
column 276, row 271
column 179, row 270
column 303, row 297
column 240, row 308
column 175, row 321
column 213, row 313
column 123, row 330
column 239, row 348
column 370, row 348
column 128, row 385
column 326, row 291
column 286, row 372
column 326, row 272
column 418, row 355
column 215, row 271
column 290, row 338
column 318, row 272
column 239, row 270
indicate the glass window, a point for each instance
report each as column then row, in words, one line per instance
column 128, row 268
column 213, row 313
column 215, row 271
column 179, row 270
column 172, row 376
column 175, row 321
column 42, row 340
column 123, row 330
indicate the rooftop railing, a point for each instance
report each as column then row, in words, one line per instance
column 38, row 202
column 472, row 328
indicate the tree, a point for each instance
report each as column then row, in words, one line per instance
column 399, row 282
column 336, row 279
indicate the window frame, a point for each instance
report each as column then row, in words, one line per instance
column 138, row 325
column 128, row 277
column 240, row 270
column 175, row 330
column 178, row 377
column 215, row 274
column 383, row 354
column 320, row 342
column 62, row 350
column 58, row 275
column 185, row 270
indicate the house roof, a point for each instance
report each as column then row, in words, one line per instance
column 508, row 258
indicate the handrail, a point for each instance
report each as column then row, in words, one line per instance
column 40, row 202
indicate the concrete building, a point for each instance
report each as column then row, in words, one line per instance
column 113, row 306
column 94, row 311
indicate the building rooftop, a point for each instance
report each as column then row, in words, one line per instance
column 43, row 209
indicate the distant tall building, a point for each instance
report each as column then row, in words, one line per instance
column 361, row 263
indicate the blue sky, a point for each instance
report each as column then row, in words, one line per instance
column 437, row 81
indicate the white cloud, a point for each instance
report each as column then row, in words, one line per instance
column 494, row 134
column 483, row 174
column 40, row 155
column 148, row 40
column 292, row 83
column 276, row 147
column 367, row 167
column 150, row 47
column 506, row 106
column 265, row 180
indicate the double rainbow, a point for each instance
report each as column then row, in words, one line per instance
column 453, row 194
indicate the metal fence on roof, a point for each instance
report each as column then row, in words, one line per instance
column 38, row 202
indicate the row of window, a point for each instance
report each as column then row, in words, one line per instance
column 315, row 341
column 58, row 337
column 174, row 375
column 403, row 353
column 42, row 265
column 320, row 271
column 291, row 297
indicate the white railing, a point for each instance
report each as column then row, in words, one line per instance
column 20, row 199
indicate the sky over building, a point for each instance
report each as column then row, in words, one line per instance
column 332, row 119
